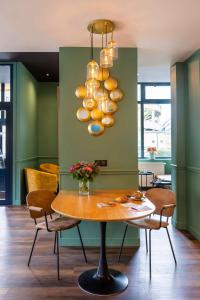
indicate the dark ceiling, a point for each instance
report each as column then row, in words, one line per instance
column 44, row 66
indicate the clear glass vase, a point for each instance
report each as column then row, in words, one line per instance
column 152, row 155
column 84, row 187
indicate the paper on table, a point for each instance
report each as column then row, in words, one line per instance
column 102, row 204
column 129, row 205
column 136, row 199
column 136, row 206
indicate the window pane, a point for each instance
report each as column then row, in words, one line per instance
column 157, row 92
column 157, row 129
column 139, row 92
column 7, row 92
column 4, row 83
column 139, row 130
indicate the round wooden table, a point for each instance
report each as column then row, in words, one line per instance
column 100, row 281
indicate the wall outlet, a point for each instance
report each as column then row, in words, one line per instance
column 101, row 162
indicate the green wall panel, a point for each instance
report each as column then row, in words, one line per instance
column 90, row 232
column 47, row 122
column 118, row 140
column 118, row 144
column 35, row 136
column 186, row 142
column 27, row 113
column 179, row 101
column 193, row 196
column 193, row 144
column 26, row 128
column 193, row 111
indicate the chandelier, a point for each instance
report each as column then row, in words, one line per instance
column 100, row 94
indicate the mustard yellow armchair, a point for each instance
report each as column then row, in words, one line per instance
column 50, row 168
column 37, row 180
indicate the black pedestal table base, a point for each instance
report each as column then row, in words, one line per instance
column 89, row 282
column 103, row 281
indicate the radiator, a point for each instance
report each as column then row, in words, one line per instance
column 155, row 167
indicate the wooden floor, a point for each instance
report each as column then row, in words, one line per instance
column 18, row 282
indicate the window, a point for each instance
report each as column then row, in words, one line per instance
column 5, row 83
column 154, row 119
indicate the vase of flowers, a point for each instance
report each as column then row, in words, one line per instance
column 152, row 152
column 84, row 187
column 84, row 172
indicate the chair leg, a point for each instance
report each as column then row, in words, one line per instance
column 57, row 252
column 33, row 247
column 79, row 233
column 150, row 254
column 171, row 245
column 54, row 248
column 146, row 240
column 120, row 253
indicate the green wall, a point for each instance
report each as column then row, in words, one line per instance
column 193, row 144
column 185, row 79
column 179, row 102
column 35, row 138
column 35, row 126
column 47, row 122
column 118, row 144
column 25, row 128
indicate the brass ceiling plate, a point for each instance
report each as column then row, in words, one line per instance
column 101, row 26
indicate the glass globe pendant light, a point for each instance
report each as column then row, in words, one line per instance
column 92, row 66
column 113, row 49
column 92, row 70
column 91, row 86
column 90, row 91
column 106, row 60
column 100, row 94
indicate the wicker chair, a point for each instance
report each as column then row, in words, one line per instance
column 39, row 205
column 165, row 203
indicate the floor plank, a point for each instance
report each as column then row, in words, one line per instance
column 17, row 281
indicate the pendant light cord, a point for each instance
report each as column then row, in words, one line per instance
column 102, row 40
column 91, row 47
column 106, row 36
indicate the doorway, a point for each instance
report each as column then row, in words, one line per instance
column 6, row 134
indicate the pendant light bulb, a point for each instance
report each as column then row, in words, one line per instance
column 113, row 49
column 106, row 60
column 92, row 70
column 101, row 94
column 91, row 86
column 90, row 91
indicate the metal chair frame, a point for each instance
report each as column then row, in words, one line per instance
column 56, row 239
column 159, row 227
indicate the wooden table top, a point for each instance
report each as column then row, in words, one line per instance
column 71, row 204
